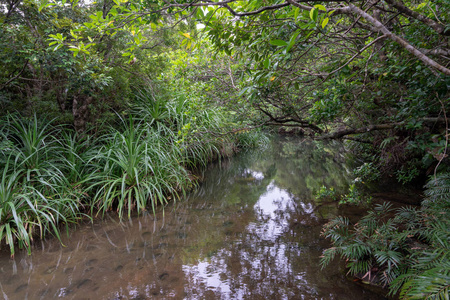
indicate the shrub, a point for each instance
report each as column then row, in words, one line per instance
column 34, row 192
column 355, row 196
column 135, row 167
column 328, row 194
column 50, row 173
column 408, row 251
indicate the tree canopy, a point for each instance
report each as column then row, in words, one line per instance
column 190, row 74
column 373, row 71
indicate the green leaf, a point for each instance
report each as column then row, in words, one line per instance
column 73, row 34
column 320, row 6
column 113, row 11
column 99, row 15
column 278, row 43
column 421, row 5
column 75, row 51
column 292, row 40
column 266, row 63
column 313, row 14
column 9, row 238
column 45, row 4
column 325, row 22
column 199, row 13
column 307, row 36
column 296, row 12
column 243, row 91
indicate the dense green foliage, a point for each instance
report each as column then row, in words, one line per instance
column 375, row 73
column 78, row 134
column 139, row 92
column 52, row 176
column 36, row 194
column 335, row 76
column 408, row 251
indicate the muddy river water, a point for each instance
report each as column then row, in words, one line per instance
column 251, row 230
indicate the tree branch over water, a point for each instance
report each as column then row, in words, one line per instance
column 402, row 42
column 350, row 131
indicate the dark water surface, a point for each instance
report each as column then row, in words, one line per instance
column 250, row 231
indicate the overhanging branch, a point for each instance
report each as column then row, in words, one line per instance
column 407, row 46
column 349, row 131
column 439, row 28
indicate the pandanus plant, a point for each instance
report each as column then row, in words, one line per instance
column 34, row 195
column 25, row 211
column 137, row 167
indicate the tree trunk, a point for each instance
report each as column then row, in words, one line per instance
column 80, row 112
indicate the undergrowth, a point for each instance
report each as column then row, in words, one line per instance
column 52, row 176
column 406, row 250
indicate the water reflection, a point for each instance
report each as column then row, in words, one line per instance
column 250, row 231
column 270, row 213
column 266, row 260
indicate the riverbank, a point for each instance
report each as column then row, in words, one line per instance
column 53, row 177
column 249, row 229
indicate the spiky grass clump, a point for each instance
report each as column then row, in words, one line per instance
column 201, row 132
column 34, row 194
column 200, row 136
column 136, row 167
column 249, row 139
column 197, row 131
column 51, row 175
column 149, row 108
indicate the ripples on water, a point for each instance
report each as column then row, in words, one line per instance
column 250, row 231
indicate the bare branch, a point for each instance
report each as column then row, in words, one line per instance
column 406, row 45
column 358, row 53
column 436, row 51
column 439, row 28
column 302, row 6
column 349, row 131
column 255, row 12
column 16, row 76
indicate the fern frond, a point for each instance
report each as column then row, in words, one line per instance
column 327, row 256
column 356, row 250
column 438, row 191
column 359, row 267
column 431, row 284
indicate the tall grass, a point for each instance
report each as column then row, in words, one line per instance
column 136, row 166
column 25, row 211
column 247, row 139
column 33, row 191
column 150, row 108
column 52, row 176
column 201, row 131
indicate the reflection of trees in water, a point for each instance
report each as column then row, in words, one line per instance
column 231, row 181
column 271, row 247
column 298, row 165
column 272, row 258
column 249, row 229
column 303, row 166
column 268, row 246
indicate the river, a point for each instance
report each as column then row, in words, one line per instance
column 251, row 230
